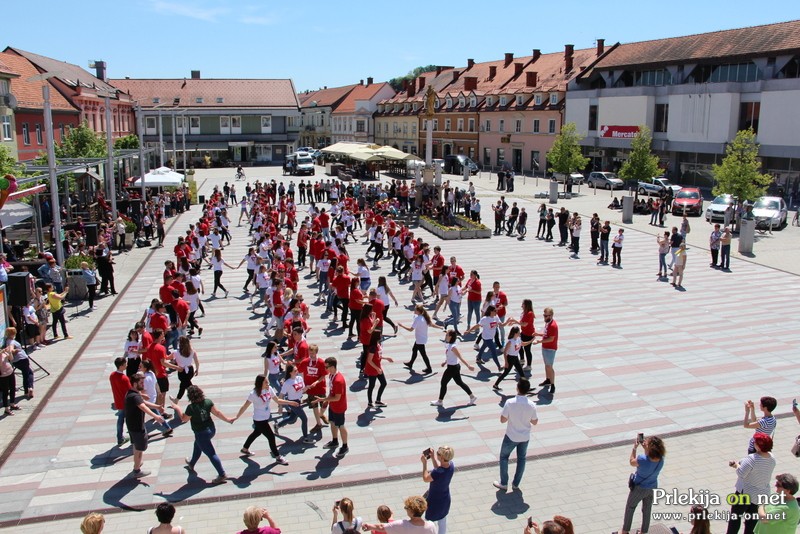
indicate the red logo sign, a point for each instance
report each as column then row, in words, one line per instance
column 619, row 132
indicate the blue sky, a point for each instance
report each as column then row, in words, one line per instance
column 329, row 43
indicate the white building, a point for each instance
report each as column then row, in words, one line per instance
column 352, row 119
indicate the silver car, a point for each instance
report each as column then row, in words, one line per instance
column 716, row 210
column 771, row 211
column 605, row 180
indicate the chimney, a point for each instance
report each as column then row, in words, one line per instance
column 517, row 69
column 369, row 81
column 568, row 50
column 421, row 83
column 601, row 47
column 492, row 72
column 470, row 83
column 100, row 70
column 411, row 90
column 324, row 86
column 360, row 82
column 531, row 79
column 405, row 84
column 195, row 74
column 438, row 70
column 508, row 60
column 536, row 54
column 455, row 76
column 470, row 63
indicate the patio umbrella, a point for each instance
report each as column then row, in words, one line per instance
column 388, row 152
column 346, row 148
column 366, row 156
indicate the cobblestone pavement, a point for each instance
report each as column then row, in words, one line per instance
column 635, row 355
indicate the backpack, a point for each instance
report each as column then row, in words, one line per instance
column 354, row 529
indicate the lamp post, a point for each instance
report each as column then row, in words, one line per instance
column 51, row 167
column 110, row 161
column 140, row 131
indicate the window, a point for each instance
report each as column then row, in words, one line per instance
column 461, row 101
column 220, row 100
column 535, row 125
column 662, row 117
column 449, row 102
column 405, row 107
column 179, row 125
column 236, row 125
column 593, row 118
column 501, row 156
column 199, row 100
column 501, row 126
column 224, row 124
column 266, row 124
column 26, row 134
column 7, row 128
column 447, row 125
column 413, row 131
column 520, row 100
column 503, row 101
column 194, row 125
column 405, row 127
column 551, row 126
column 537, row 100
column 553, row 99
column 63, row 131
column 414, row 109
column 3, row 87
column 385, row 127
column 487, row 127
column 487, row 156
column 489, row 101
column 394, row 128
column 150, row 126
column 471, row 125
column 473, row 101
column 732, row 72
column 517, row 125
column 435, row 125
column 460, row 125
column 748, row 115
column 156, row 100
column 361, row 126
column 436, row 104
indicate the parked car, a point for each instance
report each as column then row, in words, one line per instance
column 577, row 178
column 772, row 211
column 605, row 180
column 715, row 212
column 307, row 149
column 302, row 163
column 688, row 201
column 455, row 163
column 656, row 186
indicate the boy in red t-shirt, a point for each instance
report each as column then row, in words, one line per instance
column 337, row 406
column 314, row 373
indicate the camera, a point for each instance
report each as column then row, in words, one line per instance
column 640, row 438
column 337, row 504
column 428, row 452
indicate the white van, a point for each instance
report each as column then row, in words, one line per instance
column 302, row 163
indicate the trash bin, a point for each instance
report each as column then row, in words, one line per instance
column 76, row 284
column 201, row 199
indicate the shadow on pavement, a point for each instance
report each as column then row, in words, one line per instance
column 194, row 485
column 252, row 471
column 113, row 496
column 510, row 505
column 446, row 414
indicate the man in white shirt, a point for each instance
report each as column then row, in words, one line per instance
column 520, row 414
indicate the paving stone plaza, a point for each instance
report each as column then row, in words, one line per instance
column 635, row 355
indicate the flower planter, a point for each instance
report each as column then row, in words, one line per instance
column 483, row 234
column 467, row 234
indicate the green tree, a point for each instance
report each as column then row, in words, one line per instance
column 397, row 83
column 739, row 174
column 81, row 142
column 641, row 165
column 8, row 165
column 128, row 142
column 565, row 157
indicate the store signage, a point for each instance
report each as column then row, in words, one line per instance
column 618, row 132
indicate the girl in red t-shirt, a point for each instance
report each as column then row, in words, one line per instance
column 374, row 371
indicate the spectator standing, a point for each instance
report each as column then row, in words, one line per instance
column 753, row 475
column 765, row 424
column 415, row 507
column 20, row 360
column 725, row 249
column 616, row 248
column 438, row 494
column 644, row 480
column 663, row 249
column 519, row 415
column 165, row 513
column 349, row 522
column 605, row 234
column 253, row 516
column 8, row 385
column 93, row 523
column 780, row 518
column 135, row 409
column 680, row 266
column 714, row 243
column 90, row 277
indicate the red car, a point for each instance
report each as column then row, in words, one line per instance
column 688, row 201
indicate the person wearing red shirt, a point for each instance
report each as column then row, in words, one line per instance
column 500, row 304
column 549, row 342
column 437, row 262
column 302, row 245
column 341, row 284
column 314, row 373
column 355, row 303
column 324, row 223
column 177, row 284
column 299, row 351
column 374, row 371
column 159, row 320
column 527, row 330
column 337, row 406
column 157, row 354
column 120, row 384
column 455, row 270
column 474, row 297
column 182, row 312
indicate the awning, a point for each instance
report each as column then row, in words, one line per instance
column 194, row 147
column 365, row 156
column 161, row 177
column 345, row 148
column 240, row 143
column 389, row 152
column 14, row 212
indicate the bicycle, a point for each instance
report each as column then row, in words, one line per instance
column 763, row 226
column 240, row 175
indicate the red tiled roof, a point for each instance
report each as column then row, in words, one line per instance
column 238, row 93
column 550, row 71
column 29, row 93
column 360, row 92
column 325, row 97
column 72, row 75
column 5, row 69
column 741, row 42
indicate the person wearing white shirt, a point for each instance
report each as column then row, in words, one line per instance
column 520, row 415
column 419, row 326
column 260, row 398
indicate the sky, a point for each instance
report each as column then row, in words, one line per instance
column 328, row 43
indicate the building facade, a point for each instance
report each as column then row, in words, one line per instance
column 28, row 117
column 8, row 104
column 695, row 93
column 352, row 120
column 316, row 110
column 229, row 120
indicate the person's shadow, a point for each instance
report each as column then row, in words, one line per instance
column 445, row 415
column 110, row 457
column 326, row 465
column 252, row 471
column 510, row 505
column 194, row 485
column 113, row 496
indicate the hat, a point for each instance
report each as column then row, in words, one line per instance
column 48, row 256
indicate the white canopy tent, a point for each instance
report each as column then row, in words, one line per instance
column 14, row 212
column 161, row 177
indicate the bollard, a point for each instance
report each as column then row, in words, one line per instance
column 553, row 192
column 627, row 210
column 747, row 229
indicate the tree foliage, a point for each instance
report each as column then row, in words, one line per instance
column 641, row 165
column 397, row 83
column 739, row 174
column 565, row 157
column 8, row 165
column 81, row 142
column 126, row 143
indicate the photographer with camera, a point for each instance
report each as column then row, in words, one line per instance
column 348, row 524
column 438, row 494
column 644, row 480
